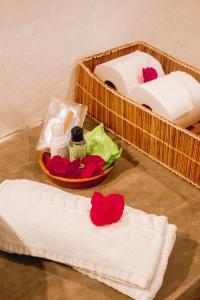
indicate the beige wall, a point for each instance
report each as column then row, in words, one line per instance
column 174, row 26
column 40, row 42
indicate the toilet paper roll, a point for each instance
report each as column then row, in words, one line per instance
column 166, row 96
column 125, row 72
column 193, row 87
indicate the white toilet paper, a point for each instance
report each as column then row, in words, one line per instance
column 125, row 72
column 167, row 96
column 193, row 87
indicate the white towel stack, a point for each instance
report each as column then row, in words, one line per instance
column 130, row 255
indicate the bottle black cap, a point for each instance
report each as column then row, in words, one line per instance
column 77, row 134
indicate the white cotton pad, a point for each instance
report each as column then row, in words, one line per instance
column 48, row 130
column 62, row 113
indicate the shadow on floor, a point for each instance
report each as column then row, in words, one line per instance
column 178, row 266
column 193, row 293
column 20, row 276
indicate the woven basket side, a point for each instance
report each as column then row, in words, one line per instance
column 172, row 146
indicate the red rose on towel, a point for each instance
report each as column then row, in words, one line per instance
column 149, row 74
column 106, row 209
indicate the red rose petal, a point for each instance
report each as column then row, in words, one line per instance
column 90, row 170
column 72, row 170
column 149, row 74
column 62, row 167
column 45, row 157
column 106, row 209
column 57, row 166
column 96, row 159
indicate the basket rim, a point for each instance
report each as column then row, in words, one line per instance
column 131, row 101
column 137, row 43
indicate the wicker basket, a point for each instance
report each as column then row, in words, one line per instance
column 172, row 146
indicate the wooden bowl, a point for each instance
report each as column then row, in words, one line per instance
column 70, row 182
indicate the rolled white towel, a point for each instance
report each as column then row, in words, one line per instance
column 40, row 220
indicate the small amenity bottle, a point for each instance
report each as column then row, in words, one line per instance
column 77, row 144
column 58, row 144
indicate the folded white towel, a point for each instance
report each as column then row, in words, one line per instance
column 134, row 291
column 40, row 220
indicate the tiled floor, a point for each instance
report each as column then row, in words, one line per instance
column 146, row 185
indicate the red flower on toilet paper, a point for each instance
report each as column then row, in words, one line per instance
column 106, row 209
column 149, row 74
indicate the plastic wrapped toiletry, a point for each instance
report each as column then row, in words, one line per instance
column 66, row 115
column 99, row 143
column 58, row 144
